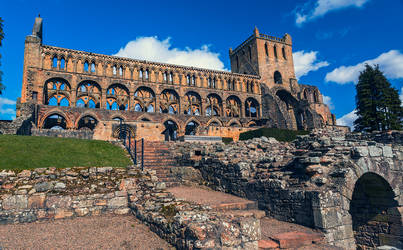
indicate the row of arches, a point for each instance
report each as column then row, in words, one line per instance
column 150, row 73
column 88, row 94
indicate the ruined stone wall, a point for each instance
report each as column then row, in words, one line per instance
column 80, row 134
column 312, row 181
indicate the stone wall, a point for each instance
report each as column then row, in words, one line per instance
column 312, row 181
column 80, row 134
column 47, row 194
column 51, row 193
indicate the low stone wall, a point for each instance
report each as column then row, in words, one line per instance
column 43, row 194
column 191, row 226
column 80, row 134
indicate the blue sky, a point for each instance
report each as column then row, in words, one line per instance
column 331, row 38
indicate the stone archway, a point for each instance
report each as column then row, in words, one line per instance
column 374, row 212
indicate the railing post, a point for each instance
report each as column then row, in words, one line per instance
column 142, row 154
column 130, row 143
column 135, row 152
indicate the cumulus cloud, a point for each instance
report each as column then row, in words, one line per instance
column 153, row 49
column 305, row 62
column 391, row 63
column 328, row 101
column 347, row 119
column 322, row 7
column 6, row 110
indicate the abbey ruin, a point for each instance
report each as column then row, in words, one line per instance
column 74, row 90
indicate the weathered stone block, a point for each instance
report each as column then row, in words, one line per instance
column 375, row 151
column 36, row 201
column 15, row 202
column 117, row 202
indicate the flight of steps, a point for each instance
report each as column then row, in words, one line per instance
column 158, row 157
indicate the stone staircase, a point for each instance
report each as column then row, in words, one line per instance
column 158, row 157
column 275, row 234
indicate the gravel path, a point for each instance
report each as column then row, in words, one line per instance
column 97, row 232
column 202, row 195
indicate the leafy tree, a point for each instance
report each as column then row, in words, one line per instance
column 1, row 38
column 378, row 104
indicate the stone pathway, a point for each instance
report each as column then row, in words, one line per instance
column 96, row 232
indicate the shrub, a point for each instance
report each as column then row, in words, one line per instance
column 227, row 140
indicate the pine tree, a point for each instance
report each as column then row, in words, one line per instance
column 378, row 104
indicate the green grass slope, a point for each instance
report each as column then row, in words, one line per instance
column 28, row 152
column 279, row 134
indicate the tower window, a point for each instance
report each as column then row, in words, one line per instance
column 62, row 63
column 275, row 51
column 278, row 78
column 284, row 55
column 266, row 49
column 86, row 67
column 114, row 70
column 54, row 62
column 250, row 54
column 93, row 67
column 121, row 71
column 193, row 81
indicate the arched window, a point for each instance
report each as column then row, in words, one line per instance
column 266, row 49
column 141, row 74
column 171, row 77
column 147, row 74
column 138, row 108
column 275, row 51
column 209, row 82
column 55, row 121
column 56, row 92
column 54, row 62
column 233, row 85
column 93, row 67
column 188, row 80
column 191, row 128
column 214, row 83
column 89, row 93
column 251, row 107
column 278, row 78
column 165, row 76
column 284, row 55
column 192, row 103
column 62, row 63
column 87, row 122
column 117, row 97
column 114, row 70
column 193, row 81
column 121, row 71
column 86, row 66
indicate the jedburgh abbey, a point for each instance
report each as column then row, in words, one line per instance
column 83, row 91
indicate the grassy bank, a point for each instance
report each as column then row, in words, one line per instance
column 27, row 152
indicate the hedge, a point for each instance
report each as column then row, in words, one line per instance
column 279, row 134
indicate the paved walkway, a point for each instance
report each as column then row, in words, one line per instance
column 96, row 232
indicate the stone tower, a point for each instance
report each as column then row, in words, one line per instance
column 267, row 56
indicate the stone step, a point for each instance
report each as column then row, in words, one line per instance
column 297, row 239
column 267, row 245
column 240, row 205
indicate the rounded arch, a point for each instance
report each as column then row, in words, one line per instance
column 234, row 123
column 118, row 118
column 117, row 97
column 169, row 102
column 171, row 130
column 92, row 114
column 214, row 121
column 142, row 117
column 57, row 92
column 278, row 78
column 191, row 127
column 252, row 107
column 214, row 105
column 233, row 106
column 251, row 124
column 55, row 120
column 192, row 103
column 374, row 212
column 88, row 94
column 144, row 99
column 87, row 122
column 69, row 123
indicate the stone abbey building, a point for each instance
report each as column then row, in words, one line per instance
column 81, row 91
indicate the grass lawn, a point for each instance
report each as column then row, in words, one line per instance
column 27, row 152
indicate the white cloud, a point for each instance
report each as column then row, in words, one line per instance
column 153, row 49
column 391, row 63
column 322, row 7
column 347, row 119
column 304, row 62
column 6, row 110
column 328, row 101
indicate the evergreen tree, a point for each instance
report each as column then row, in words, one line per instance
column 1, row 38
column 378, row 104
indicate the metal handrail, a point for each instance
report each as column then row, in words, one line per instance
column 127, row 143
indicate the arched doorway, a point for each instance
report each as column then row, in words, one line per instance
column 171, row 130
column 191, row 128
column 87, row 122
column 376, row 219
column 55, row 121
